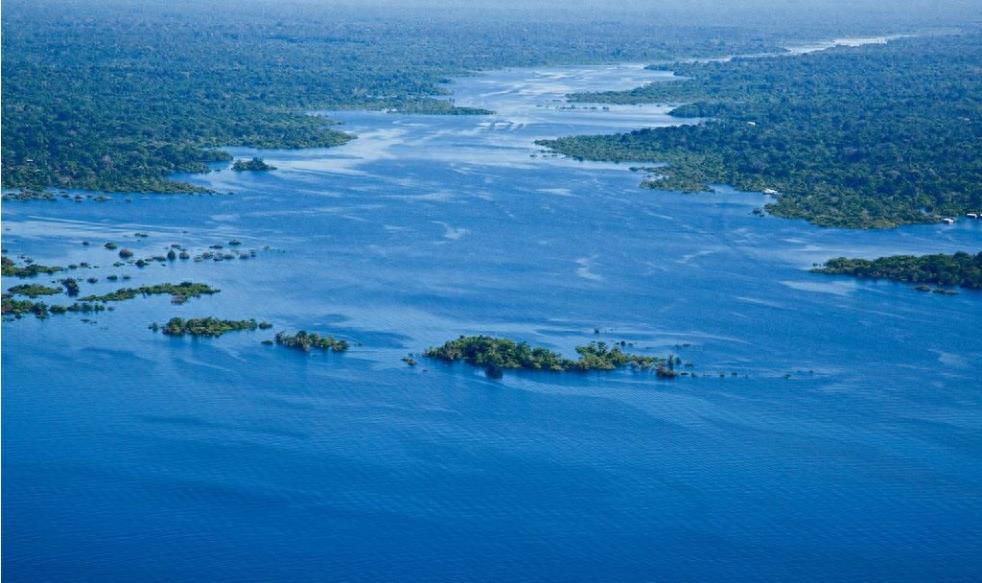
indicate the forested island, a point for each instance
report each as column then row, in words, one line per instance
column 254, row 165
column 208, row 326
column 14, row 308
column 71, row 286
column 961, row 269
column 33, row 290
column 179, row 293
column 867, row 137
column 9, row 268
column 498, row 354
column 101, row 99
column 307, row 341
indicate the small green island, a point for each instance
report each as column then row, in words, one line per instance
column 179, row 293
column 12, row 308
column 307, row 341
column 71, row 286
column 961, row 269
column 497, row 354
column 254, row 165
column 9, row 268
column 33, row 290
column 209, row 326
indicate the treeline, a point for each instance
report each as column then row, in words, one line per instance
column 867, row 137
column 107, row 97
column 961, row 269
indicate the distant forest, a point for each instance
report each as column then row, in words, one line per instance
column 868, row 137
column 117, row 96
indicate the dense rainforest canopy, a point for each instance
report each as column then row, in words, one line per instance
column 117, row 96
column 874, row 136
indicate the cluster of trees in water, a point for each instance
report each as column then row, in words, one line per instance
column 101, row 97
column 28, row 268
column 307, row 341
column 497, row 354
column 71, row 286
column 179, row 292
column 961, row 269
column 867, row 137
column 33, row 290
column 11, row 307
column 9, row 268
column 208, row 326
column 493, row 354
column 254, row 165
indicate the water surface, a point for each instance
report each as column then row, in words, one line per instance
column 844, row 441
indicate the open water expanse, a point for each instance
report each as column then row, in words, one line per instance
column 844, row 441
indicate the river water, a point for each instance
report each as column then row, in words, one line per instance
column 843, row 441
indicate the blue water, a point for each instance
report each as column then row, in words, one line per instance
column 843, row 443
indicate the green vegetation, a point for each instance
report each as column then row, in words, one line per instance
column 869, row 137
column 17, row 308
column 71, row 286
column 12, row 308
column 33, row 290
column 961, row 269
column 307, row 341
column 104, row 97
column 83, row 307
column 179, row 292
column 204, row 326
column 8, row 268
column 497, row 354
column 254, row 165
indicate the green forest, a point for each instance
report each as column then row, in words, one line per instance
column 102, row 98
column 867, row 137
